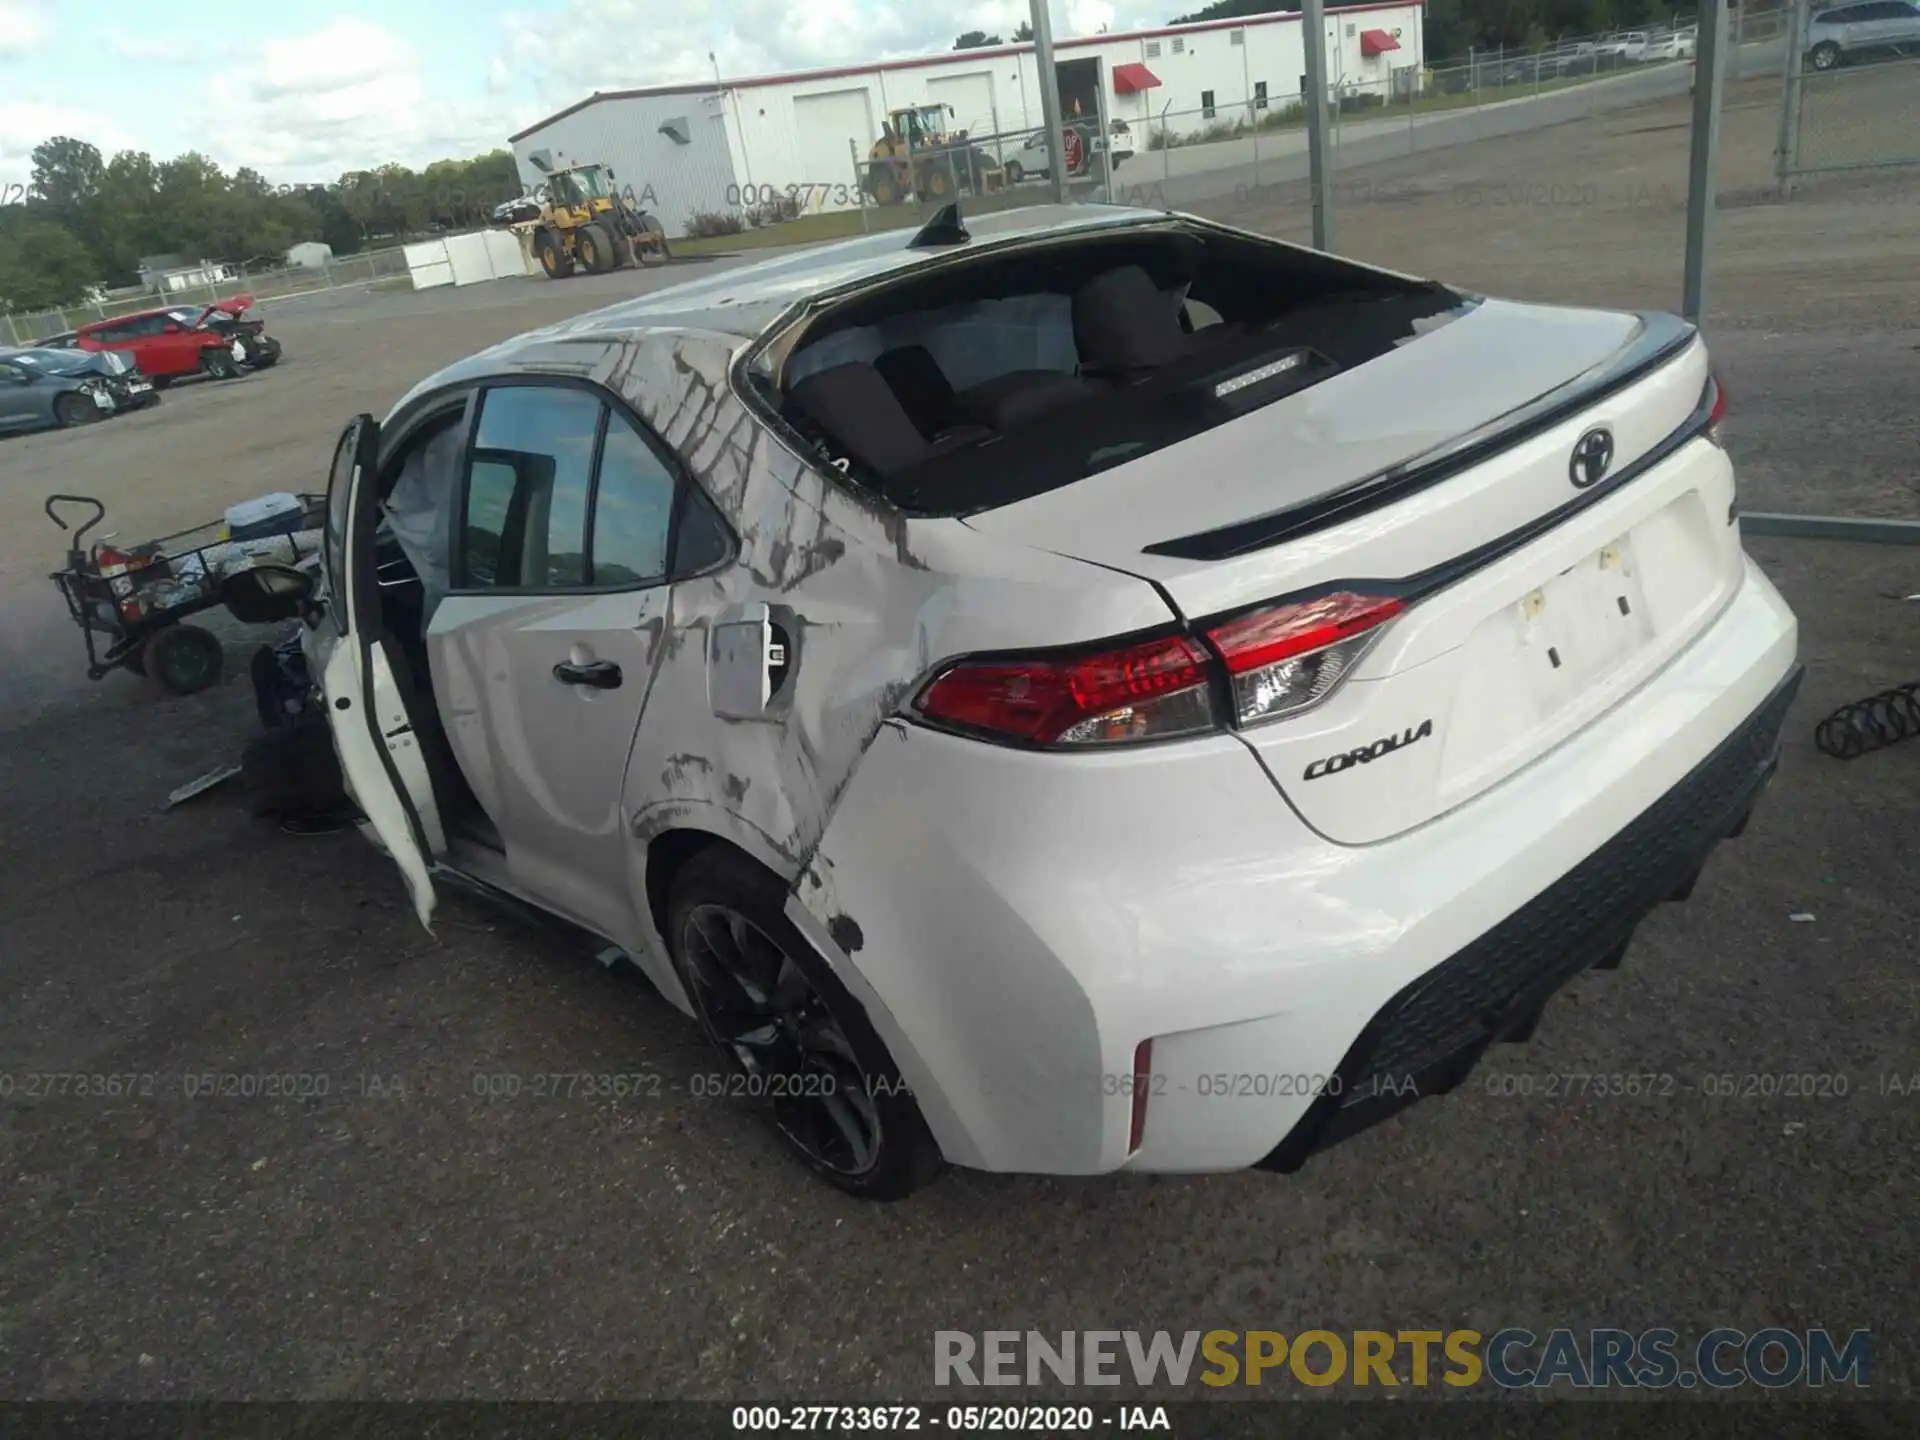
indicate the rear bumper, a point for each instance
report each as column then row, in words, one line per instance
column 1427, row 1038
column 1019, row 923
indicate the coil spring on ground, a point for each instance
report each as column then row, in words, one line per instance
column 1871, row 724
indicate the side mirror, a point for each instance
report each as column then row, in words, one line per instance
column 173, row 328
column 266, row 593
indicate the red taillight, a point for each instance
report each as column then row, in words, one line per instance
column 1142, row 1086
column 1146, row 691
column 1289, row 658
column 1266, row 637
column 1716, row 408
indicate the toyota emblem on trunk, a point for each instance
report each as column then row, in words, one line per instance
column 1592, row 454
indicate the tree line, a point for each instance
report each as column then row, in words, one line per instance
column 86, row 221
column 975, row 39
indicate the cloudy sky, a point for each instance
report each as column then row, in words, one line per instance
column 303, row 93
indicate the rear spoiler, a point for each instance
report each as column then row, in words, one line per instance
column 1661, row 338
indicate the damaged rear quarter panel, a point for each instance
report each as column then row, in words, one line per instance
column 876, row 599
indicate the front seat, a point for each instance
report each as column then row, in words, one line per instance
column 861, row 415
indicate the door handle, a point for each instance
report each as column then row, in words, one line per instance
column 600, row 674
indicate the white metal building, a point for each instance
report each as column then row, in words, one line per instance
column 684, row 149
column 309, row 255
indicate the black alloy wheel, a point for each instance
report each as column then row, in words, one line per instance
column 795, row 1038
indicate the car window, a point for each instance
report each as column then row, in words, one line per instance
column 632, row 509
column 528, row 487
column 702, row 540
column 11, row 374
column 564, row 491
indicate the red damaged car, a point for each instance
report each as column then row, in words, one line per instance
column 185, row 340
column 229, row 318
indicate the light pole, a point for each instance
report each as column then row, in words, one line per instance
column 1313, row 32
column 1049, row 99
column 1703, row 166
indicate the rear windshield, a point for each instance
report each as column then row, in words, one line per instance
column 1028, row 373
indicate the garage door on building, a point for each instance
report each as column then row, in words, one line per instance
column 824, row 125
column 971, row 96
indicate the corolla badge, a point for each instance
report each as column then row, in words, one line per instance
column 1367, row 754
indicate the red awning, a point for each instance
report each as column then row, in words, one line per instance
column 1377, row 42
column 1131, row 79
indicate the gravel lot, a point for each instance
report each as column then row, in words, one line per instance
column 400, row 1237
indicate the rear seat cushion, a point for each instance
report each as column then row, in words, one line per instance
column 1019, row 396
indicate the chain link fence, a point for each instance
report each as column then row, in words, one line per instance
column 1855, row 116
column 342, row 272
column 995, row 159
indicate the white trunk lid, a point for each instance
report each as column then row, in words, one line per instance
column 1537, row 604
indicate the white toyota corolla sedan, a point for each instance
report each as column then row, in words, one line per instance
column 1099, row 691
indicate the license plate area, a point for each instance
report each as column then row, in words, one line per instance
column 1579, row 626
column 1546, row 660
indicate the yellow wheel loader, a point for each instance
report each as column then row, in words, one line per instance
column 579, row 220
column 917, row 156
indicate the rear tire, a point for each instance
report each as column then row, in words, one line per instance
column 72, row 411
column 1014, row 173
column 183, row 659
column 865, row 1134
column 1826, row 56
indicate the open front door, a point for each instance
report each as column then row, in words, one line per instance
column 372, row 695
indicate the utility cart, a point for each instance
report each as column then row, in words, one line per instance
column 130, row 600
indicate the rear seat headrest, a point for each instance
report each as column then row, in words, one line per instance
column 854, row 404
column 1122, row 322
column 923, row 387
